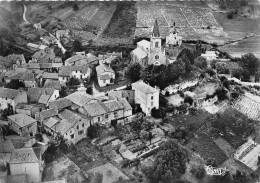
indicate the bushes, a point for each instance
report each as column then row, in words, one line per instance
column 158, row 113
column 94, row 131
column 198, row 172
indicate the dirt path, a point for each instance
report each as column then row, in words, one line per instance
column 24, row 12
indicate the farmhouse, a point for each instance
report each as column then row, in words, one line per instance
column 105, row 75
column 209, row 55
column 146, row 96
column 22, row 124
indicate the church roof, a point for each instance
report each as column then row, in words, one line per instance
column 140, row 53
column 156, row 32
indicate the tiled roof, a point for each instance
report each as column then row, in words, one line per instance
column 24, row 155
column 57, row 65
column 33, row 66
column 145, row 88
column 113, row 105
column 49, row 83
column 20, row 142
column 70, row 116
column 96, row 108
column 22, row 119
column 35, row 93
column 83, row 69
column 6, row 146
column 75, row 58
column 65, row 71
column 79, row 98
column 50, row 75
column 105, row 77
column 45, row 65
column 16, row 76
column 8, row 93
column 44, row 57
column 48, row 113
column 24, row 106
column 44, row 99
column 28, row 76
column 60, row 103
column 63, row 126
column 102, row 68
column 125, row 103
column 51, row 122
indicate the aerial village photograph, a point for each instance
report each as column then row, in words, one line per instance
column 130, row 91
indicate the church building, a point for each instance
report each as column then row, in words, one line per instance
column 153, row 52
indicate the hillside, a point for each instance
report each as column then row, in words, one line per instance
column 107, row 23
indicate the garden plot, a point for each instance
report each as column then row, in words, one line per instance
column 206, row 147
column 199, row 17
column 174, row 14
column 63, row 168
column 110, row 173
column 217, row 36
column 146, row 15
column 83, row 16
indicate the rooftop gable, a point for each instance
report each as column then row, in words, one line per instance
column 22, row 119
column 24, row 155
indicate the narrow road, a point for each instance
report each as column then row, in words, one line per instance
column 24, row 11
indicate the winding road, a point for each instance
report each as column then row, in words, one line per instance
column 24, row 11
column 57, row 40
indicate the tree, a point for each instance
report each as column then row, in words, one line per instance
column 63, row 91
column 188, row 100
column 94, row 131
column 75, row 7
column 200, row 62
column 249, row 62
column 185, row 52
column 97, row 178
column 73, row 81
column 169, row 164
column 89, row 90
column 237, row 72
column 198, row 172
column 15, row 84
column 77, row 46
column 222, row 68
column 57, row 51
column 133, row 72
column 158, row 113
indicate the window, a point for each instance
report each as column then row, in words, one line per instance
column 104, row 81
column 72, row 136
column 98, row 118
column 151, row 97
column 151, row 103
column 156, row 57
column 106, row 116
column 156, row 44
column 115, row 113
column 66, row 133
column 5, row 98
column 83, row 125
column 77, row 127
column 80, row 132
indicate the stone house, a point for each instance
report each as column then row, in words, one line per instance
column 146, row 96
column 11, row 97
column 105, row 75
column 22, row 124
column 129, row 95
column 28, row 109
column 42, row 95
column 27, row 161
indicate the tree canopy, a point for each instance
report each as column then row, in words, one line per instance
column 73, row 81
column 188, row 53
column 15, row 84
column 200, row 62
column 133, row 72
column 77, row 46
column 169, row 164
column 249, row 62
